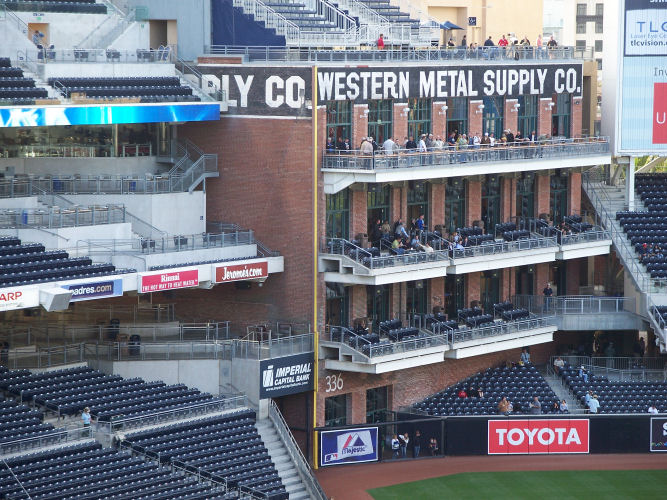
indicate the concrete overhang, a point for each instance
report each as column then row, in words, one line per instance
column 477, row 347
column 586, row 249
column 502, row 260
column 342, row 269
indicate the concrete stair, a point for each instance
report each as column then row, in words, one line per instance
column 555, row 382
column 284, row 465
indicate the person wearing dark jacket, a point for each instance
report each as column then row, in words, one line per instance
column 411, row 144
column 416, row 443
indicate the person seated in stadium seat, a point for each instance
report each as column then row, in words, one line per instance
column 535, row 406
column 398, row 247
column 583, row 373
column 558, row 365
column 525, row 357
column 473, row 393
column 433, row 446
column 563, row 407
column 480, row 393
column 504, row 407
column 555, row 408
column 395, row 446
column 587, row 398
column 462, row 394
column 653, row 410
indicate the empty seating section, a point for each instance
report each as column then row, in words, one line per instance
column 27, row 264
column 519, row 384
column 298, row 13
column 87, row 471
column 225, row 448
column 647, row 231
column 68, row 392
column 615, row 396
column 469, row 323
column 19, row 421
column 66, row 6
column 16, row 88
column 149, row 89
column 392, row 13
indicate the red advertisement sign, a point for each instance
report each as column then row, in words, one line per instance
column 241, row 272
column 169, row 281
column 660, row 113
column 538, row 436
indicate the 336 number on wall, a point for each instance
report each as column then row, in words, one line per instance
column 334, row 383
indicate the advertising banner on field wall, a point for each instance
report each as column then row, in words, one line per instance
column 286, row 375
column 284, row 91
column 538, row 436
column 40, row 116
column 658, row 434
column 158, row 282
column 643, row 85
column 349, row 446
column 18, row 298
column 240, row 272
column 95, row 290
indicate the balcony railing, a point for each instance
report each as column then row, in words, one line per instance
column 494, row 248
column 433, row 54
column 551, row 149
column 592, row 235
column 575, row 304
column 435, row 337
column 339, row 246
column 55, row 218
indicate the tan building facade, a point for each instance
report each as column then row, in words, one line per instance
column 491, row 18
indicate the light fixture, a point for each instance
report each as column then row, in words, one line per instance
column 516, row 107
column 365, row 113
column 443, row 109
column 480, row 108
column 405, row 111
column 549, row 105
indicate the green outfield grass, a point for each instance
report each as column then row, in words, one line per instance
column 560, row 485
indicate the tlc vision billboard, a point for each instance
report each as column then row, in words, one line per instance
column 642, row 118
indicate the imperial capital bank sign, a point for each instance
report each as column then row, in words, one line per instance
column 287, row 91
column 286, row 375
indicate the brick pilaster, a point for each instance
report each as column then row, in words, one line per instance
column 358, row 302
column 542, row 194
column 359, row 124
column 474, row 117
column 436, row 214
column 544, row 116
column 472, row 288
column 577, row 116
column 574, row 192
column 473, row 202
column 439, row 120
column 400, row 122
column 358, row 212
column 436, row 293
column 511, row 116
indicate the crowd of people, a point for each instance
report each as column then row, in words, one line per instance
column 400, row 443
column 427, row 143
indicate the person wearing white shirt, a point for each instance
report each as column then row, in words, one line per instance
column 593, row 404
column 389, row 146
column 422, row 144
column 653, row 410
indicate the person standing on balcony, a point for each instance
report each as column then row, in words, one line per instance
column 380, row 42
column 548, row 293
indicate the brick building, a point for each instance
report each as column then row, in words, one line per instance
column 318, row 208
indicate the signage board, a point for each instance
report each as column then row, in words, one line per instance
column 18, row 298
column 42, row 116
column 95, row 290
column 538, row 436
column 658, row 434
column 158, row 282
column 349, row 446
column 286, row 375
column 642, row 87
column 240, row 272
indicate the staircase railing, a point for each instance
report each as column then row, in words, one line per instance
column 365, row 14
column 303, row 469
column 332, row 14
column 7, row 15
column 270, row 18
column 191, row 166
column 95, row 40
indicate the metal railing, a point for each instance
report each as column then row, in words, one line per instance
column 222, row 349
column 90, row 311
column 616, row 362
column 363, row 257
column 50, row 438
column 8, row 16
column 21, row 186
column 58, row 151
column 575, row 304
column 271, row 19
column 534, row 242
column 125, row 424
column 55, row 217
column 595, row 234
column 44, row 357
column 546, row 149
column 315, row 491
column 99, row 55
column 434, row 336
column 166, row 244
column 294, row 55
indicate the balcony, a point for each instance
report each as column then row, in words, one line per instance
column 595, row 241
column 344, row 168
column 342, row 261
column 343, row 349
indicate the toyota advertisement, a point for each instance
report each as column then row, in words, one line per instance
column 351, row 446
column 538, row 436
column 158, row 282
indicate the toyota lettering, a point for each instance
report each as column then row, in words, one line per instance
column 538, row 436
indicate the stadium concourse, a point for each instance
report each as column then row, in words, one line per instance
column 260, row 238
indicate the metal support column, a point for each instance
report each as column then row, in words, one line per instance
column 630, row 184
